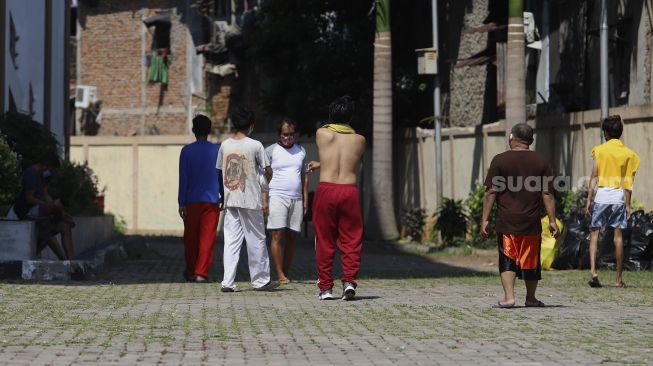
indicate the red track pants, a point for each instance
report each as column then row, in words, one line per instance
column 338, row 223
column 200, row 228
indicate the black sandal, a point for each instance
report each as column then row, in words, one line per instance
column 594, row 282
column 536, row 304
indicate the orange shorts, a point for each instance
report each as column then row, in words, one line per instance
column 520, row 254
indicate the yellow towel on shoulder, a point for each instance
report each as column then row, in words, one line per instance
column 339, row 127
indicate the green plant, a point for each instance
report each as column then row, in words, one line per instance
column 636, row 205
column 27, row 138
column 474, row 206
column 564, row 202
column 326, row 43
column 571, row 203
column 413, row 220
column 9, row 174
column 451, row 220
column 76, row 186
column 119, row 223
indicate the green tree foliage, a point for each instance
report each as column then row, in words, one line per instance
column 570, row 203
column 474, row 205
column 307, row 53
column 27, row 138
column 9, row 174
column 412, row 94
column 26, row 142
column 76, row 186
column 22, row 142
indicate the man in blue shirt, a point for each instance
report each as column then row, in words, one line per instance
column 200, row 200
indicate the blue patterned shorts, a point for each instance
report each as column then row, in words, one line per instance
column 608, row 215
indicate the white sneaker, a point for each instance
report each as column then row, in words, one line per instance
column 348, row 291
column 326, row 295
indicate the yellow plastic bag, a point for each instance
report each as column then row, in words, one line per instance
column 550, row 245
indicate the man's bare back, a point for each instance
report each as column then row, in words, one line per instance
column 340, row 156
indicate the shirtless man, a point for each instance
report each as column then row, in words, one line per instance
column 337, row 217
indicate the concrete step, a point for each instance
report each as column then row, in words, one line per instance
column 87, row 267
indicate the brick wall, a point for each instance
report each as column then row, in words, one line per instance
column 111, row 60
column 171, row 123
column 220, row 100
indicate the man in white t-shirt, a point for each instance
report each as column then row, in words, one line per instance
column 288, row 192
column 242, row 161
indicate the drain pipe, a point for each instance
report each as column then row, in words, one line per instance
column 436, row 108
column 604, row 60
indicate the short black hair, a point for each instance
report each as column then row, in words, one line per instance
column 523, row 132
column 201, row 125
column 287, row 121
column 50, row 160
column 342, row 109
column 612, row 126
column 242, row 118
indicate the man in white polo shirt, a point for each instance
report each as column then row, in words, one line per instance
column 288, row 192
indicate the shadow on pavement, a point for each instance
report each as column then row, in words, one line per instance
column 161, row 260
column 532, row 308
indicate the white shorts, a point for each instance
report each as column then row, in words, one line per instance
column 285, row 213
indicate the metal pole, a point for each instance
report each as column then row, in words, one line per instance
column 604, row 59
column 436, row 108
column 189, row 81
column 65, row 90
column 546, row 47
column 141, row 129
column 78, row 67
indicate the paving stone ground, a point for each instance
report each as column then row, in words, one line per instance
column 412, row 310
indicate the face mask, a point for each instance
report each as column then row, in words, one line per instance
column 251, row 129
column 510, row 139
column 46, row 174
column 287, row 141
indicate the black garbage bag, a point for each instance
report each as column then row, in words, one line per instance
column 605, row 256
column 639, row 252
column 574, row 251
column 638, row 244
column 636, row 238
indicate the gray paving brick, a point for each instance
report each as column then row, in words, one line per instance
column 411, row 310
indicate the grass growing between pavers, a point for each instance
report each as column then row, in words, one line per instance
column 406, row 310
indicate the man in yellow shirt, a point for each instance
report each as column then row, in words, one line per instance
column 613, row 174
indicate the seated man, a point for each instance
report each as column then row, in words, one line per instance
column 35, row 203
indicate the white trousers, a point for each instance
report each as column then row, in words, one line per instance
column 239, row 224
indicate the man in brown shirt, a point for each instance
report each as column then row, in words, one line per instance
column 519, row 181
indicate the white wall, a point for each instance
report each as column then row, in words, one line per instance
column 141, row 176
column 563, row 145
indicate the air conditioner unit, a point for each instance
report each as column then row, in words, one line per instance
column 85, row 95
